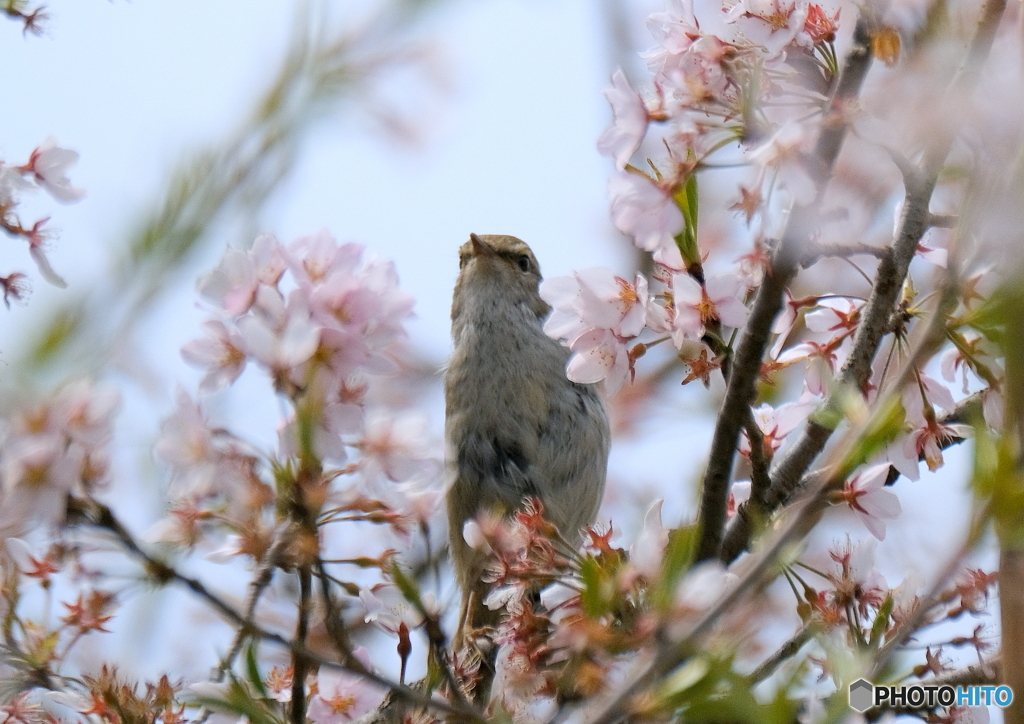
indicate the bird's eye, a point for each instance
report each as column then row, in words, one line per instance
column 524, row 263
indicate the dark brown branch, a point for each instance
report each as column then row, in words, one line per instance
column 300, row 665
column 753, row 342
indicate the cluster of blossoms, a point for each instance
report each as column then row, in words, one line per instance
column 46, row 168
column 323, row 324
column 595, row 611
column 753, row 81
column 53, row 449
column 753, row 86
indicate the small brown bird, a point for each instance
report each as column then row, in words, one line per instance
column 516, row 427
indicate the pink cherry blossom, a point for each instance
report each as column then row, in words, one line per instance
column 776, row 423
column 388, row 609
column 49, row 164
column 646, row 211
column 221, row 353
column 676, row 28
column 343, row 696
column 231, row 286
column 56, row 448
column 396, row 447
column 772, row 24
column 284, row 343
column 594, row 298
column 819, row 26
column 38, row 241
column 867, row 496
column 206, row 460
column 268, row 258
column 16, row 288
column 834, row 315
column 648, row 550
column 313, row 258
column 822, row 362
column 599, row 355
column 629, row 124
column 597, row 313
column 696, row 305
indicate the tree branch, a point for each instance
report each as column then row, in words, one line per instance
column 741, row 390
column 877, row 312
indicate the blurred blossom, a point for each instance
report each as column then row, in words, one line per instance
column 231, row 286
column 207, row 461
column 221, row 353
column 397, row 447
column 49, row 164
column 772, row 24
column 648, row 550
column 388, row 609
column 646, row 211
column 623, row 137
column 56, row 448
column 343, row 696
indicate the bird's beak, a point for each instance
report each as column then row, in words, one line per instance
column 481, row 249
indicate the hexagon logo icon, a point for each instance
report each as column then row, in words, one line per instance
column 862, row 695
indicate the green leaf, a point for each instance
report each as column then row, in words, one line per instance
column 237, row 699
column 679, row 555
column 594, row 598
column 685, row 196
column 881, row 623
column 252, row 670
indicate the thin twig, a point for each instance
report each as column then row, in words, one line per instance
column 97, row 514
column 786, row 651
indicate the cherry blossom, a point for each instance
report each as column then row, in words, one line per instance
column 822, row 362
column 676, row 28
column 648, row 550
column 343, row 696
column 284, row 343
column 697, row 305
column 396, row 447
column 819, row 26
column 597, row 313
column 221, row 353
column 623, row 137
column 388, row 609
column 776, row 423
column 312, row 259
column 772, row 24
column 38, row 241
column 16, row 287
column 231, row 287
column 866, row 495
column 49, row 164
column 206, row 460
column 646, row 211
column 56, row 448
